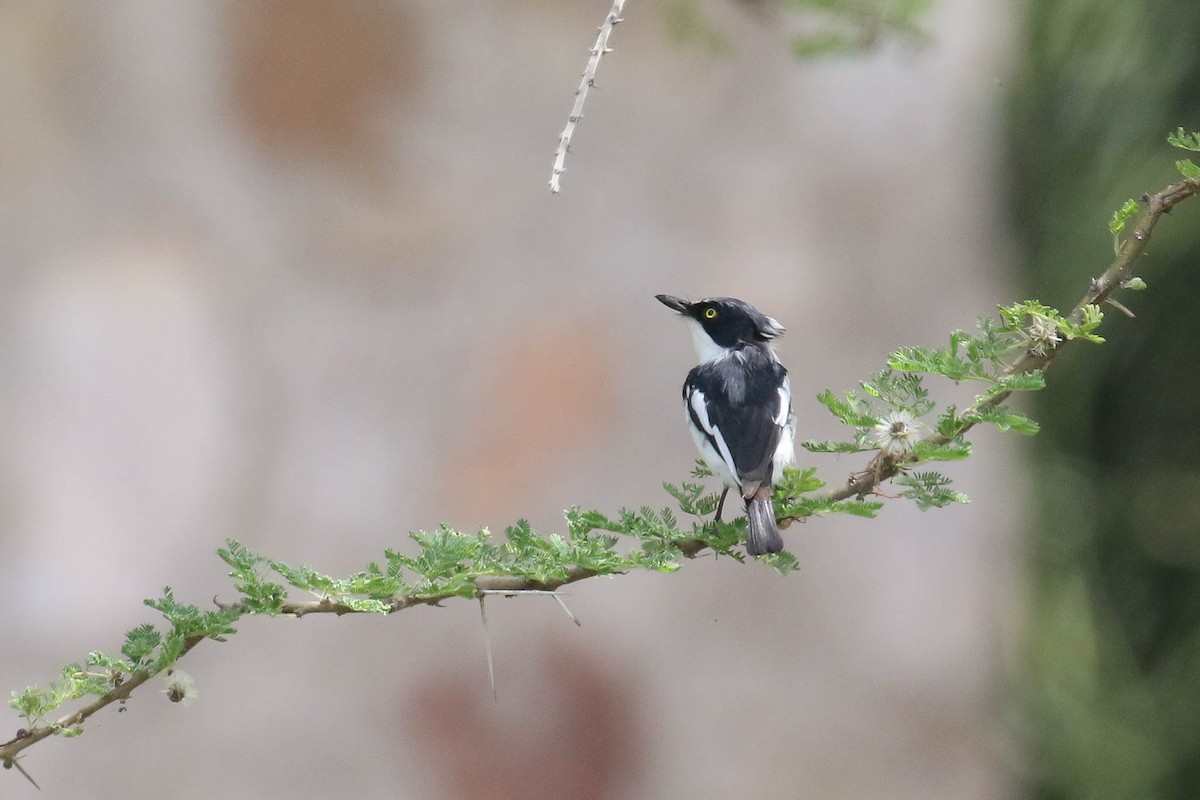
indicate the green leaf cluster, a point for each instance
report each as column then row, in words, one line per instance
column 146, row 650
column 791, row 501
column 448, row 562
column 721, row 537
column 1022, row 317
column 1187, row 168
column 929, row 490
column 984, row 356
column 1121, row 218
column 1186, row 141
column 898, row 395
column 75, row 681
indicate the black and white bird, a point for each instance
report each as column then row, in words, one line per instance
column 739, row 406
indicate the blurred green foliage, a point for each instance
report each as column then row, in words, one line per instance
column 1109, row 674
column 816, row 28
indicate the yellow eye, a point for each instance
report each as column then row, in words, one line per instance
column 710, row 313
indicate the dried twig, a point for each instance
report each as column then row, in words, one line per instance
column 589, row 81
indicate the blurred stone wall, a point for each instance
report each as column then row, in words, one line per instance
column 289, row 272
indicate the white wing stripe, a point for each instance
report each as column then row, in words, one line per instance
column 701, row 408
column 785, row 406
column 726, row 456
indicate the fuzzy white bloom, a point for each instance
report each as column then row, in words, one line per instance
column 180, row 687
column 1043, row 336
column 896, row 433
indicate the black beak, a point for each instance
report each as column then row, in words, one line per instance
column 673, row 303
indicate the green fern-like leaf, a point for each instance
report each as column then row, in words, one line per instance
column 929, row 490
column 1122, row 216
column 140, row 643
column 850, row 409
column 1184, row 140
column 1005, row 419
column 954, row 450
column 783, row 562
column 828, row 446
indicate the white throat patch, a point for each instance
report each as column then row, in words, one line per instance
column 706, row 349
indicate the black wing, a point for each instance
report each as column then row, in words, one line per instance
column 741, row 403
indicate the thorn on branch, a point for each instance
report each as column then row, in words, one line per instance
column 566, row 610
column 1119, row 307
column 9, row 763
column 487, row 643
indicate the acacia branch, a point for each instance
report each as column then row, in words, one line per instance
column 882, row 467
column 24, row 738
column 484, row 585
column 886, row 465
column 599, row 49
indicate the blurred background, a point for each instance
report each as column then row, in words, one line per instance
column 289, row 272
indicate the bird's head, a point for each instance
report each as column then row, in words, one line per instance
column 719, row 323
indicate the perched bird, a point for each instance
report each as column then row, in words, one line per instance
column 739, row 406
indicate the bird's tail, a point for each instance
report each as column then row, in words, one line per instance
column 762, row 534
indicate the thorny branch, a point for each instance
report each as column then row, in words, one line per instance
column 882, row 467
column 484, row 585
column 599, row 49
column 25, row 738
column 885, row 465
